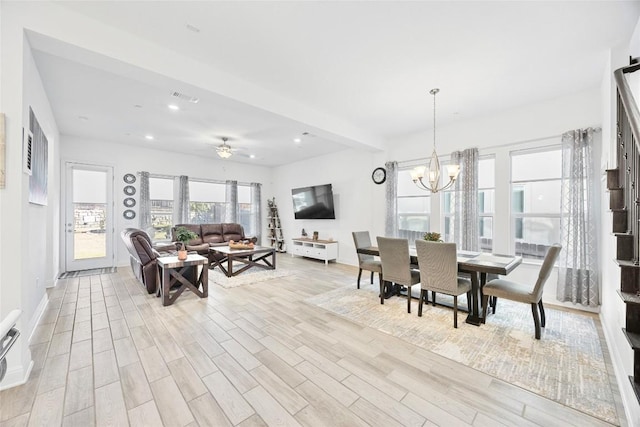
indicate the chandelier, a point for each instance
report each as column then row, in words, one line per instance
column 224, row 150
column 433, row 170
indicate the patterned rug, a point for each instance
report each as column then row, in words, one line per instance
column 90, row 272
column 249, row 277
column 566, row 365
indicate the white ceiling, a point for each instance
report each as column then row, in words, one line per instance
column 368, row 63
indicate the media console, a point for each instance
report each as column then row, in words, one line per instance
column 325, row 250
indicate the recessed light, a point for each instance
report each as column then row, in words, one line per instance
column 297, row 140
column 173, row 107
column 83, row 118
column 149, row 137
column 138, row 106
column 252, row 156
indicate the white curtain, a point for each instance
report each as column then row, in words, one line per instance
column 145, row 204
column 256, row 211
column 391, row 200
column 577, row 273
column 231, row 202
column 182, row 210
column 466, row 231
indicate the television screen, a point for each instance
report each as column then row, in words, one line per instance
column 313, row 202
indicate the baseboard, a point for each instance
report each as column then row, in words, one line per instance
column 35, row 319
column 627, row 394
column 16, row 377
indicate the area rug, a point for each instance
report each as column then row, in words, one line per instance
column 566, row 365
column 249, row 277
column 90, row 272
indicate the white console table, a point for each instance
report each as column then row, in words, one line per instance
column 325, row 250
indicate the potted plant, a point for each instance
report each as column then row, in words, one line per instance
column 432, row 236
column 183, row 236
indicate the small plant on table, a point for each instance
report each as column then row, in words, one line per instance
column 183, row 236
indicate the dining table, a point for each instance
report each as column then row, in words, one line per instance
column 477, row 264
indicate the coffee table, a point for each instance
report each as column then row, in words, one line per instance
column 172, row 270
column 256, row 257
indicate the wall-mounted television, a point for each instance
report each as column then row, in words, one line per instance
column 314, row 202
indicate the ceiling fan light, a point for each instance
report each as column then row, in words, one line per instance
column 224, row 151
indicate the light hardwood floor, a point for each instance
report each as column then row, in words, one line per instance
column 107, row 353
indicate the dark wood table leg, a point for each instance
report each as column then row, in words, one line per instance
column 204, row 279
column 474, row 317
column 230, row 266
column 166, row 286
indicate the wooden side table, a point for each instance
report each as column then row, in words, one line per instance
column 173, row 270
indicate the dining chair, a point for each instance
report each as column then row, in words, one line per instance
column 394, row 255
column 439, row 272
column 514, row 291
column 366, row 262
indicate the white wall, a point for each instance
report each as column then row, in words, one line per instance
column 126, row 159
column 29, row 232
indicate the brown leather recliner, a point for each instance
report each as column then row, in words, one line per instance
column 143, row 256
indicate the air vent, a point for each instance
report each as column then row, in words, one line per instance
column 184, row 97
column 27, row 151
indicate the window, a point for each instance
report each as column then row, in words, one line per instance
column 535, row 200
column 486, row 202
column 414, row 207
column 486, row 195
column 206, row 202
column 161, row 195
column 244, row 209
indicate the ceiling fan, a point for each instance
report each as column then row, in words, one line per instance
column 224, row 150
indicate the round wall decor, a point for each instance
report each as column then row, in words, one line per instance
column 129, row 190
column 129, row 214
column 379, row 175
column 129, row 178
column 129, row 202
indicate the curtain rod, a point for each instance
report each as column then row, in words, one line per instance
column 526, row 141
column 212, row 181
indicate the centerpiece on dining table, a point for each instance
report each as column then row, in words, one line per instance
column 432, row 236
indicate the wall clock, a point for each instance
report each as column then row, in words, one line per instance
column 379, row 175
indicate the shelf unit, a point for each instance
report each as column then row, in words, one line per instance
column 276, row 238
column 325, row 250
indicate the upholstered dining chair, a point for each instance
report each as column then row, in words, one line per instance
column 394, row 255
column 366, row 262
column 439, row 272
column 501, row 288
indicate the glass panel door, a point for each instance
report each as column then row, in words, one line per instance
column 89, row 217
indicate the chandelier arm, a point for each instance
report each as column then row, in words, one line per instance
column 418, row 182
